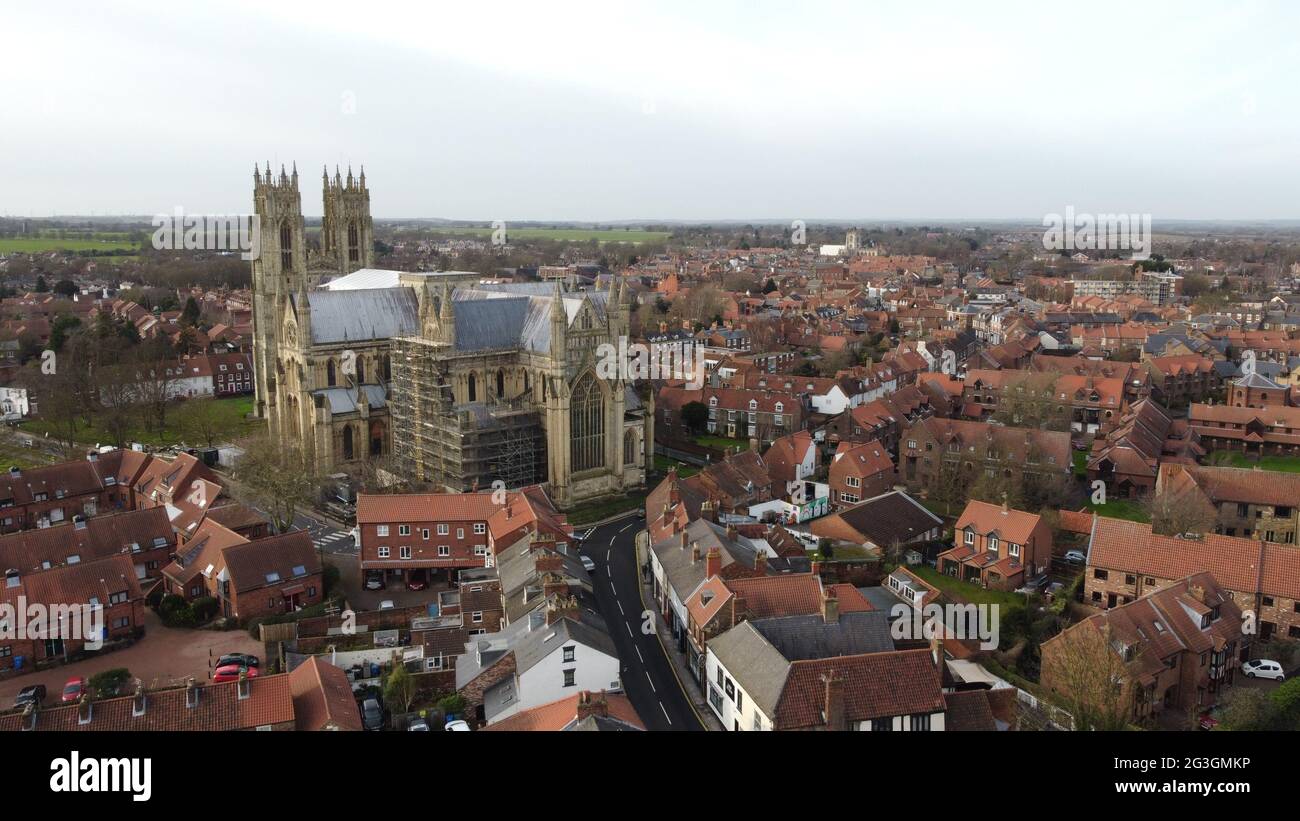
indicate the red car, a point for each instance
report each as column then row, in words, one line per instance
column 73, row 690
column 231, row 673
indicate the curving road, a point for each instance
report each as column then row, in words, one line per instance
column 648, row 679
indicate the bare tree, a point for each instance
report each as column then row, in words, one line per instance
column 1030, row 401
column 275, row 475
column 1087, row 667
column 1174, row 512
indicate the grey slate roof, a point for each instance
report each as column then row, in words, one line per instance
column 810, row 637
column 683, row 574
column 754, row 663
column 362, row 315
column 344, row 400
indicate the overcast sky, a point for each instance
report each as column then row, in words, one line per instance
column 695, row 110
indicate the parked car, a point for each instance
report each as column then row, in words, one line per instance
column 73, row 690
column 374, row 580
column 231, row 672
column 419, row 580
column 418, row 726
column 33, row 694
column 1263, row 668
column 1075, row 557
column 372, row 715
column 387, row 604
column 589, row 564
column 244, row 659
column 1209, row 719
column 457, row 726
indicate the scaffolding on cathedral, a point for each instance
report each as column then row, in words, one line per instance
column 458, row 447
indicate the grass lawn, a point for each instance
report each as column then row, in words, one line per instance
column 36, row 245
column 1120, row 509
column 965, row 591
column 590, row 512
column 663, row 464
column 567, row 234
column 226, row 418
column 1233, row 459
column 722, row 442
column 1080, row 463
column 25, row 458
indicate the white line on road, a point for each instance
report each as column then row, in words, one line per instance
column 620, row 606
column 629, row 629
column 638, row 654
column 661, row 707
column 652, row 682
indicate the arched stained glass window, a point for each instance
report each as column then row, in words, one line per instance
column 586, row 425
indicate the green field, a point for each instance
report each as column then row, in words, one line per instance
column 1233, row 459
column 566, row 234
column 663, row 464
column 227, row 419
column 37, row 245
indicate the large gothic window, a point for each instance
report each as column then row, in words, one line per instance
column 586, row 425
column 354, row 247
column 629, row 448
column 501, row 384
column 286, row 247
column 472, row 389
column 349, row 450
column 331, row 374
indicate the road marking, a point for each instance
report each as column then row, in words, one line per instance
column 607, row 556
column 625, row 527
column 629, row 629
column 620, row 609
column 638, row 654
column 661, row 707
column 652, row 682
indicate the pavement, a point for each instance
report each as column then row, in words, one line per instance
column 649, row 678
column 165, row 656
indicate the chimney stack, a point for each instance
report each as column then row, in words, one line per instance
column 712, row 562
column 683, row 539
column 138, row 701
column 562, row 608
column 592, row 705
column 244, row 685
column 695, row 552
column 834, row 707
column 553, row 584
column 760, row 563
column 830, row 607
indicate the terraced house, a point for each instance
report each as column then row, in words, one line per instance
column 1248, row 503
column 979, row 446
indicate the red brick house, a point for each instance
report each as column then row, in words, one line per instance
column 998, row 547
column 860, row 471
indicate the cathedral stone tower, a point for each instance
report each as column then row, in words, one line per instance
column 280, row 270
column 347, row 231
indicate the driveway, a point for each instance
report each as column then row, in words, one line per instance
column 163, row 657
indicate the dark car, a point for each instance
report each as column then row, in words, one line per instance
column 35, row 694
column 241, row 659
column 419, row 580
column 372, row 715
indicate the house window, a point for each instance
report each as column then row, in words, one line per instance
column 381, row 530
column 920, row 723
column 444, row 551
column 383, row 553
column 853, row 481
column 569, row 678
column 477, row 617
column 993, row 544
column 424, row 533
column 1098, row 573
column 403, row 530
column 443, row 530
column 404, row 552
column 460, row 533
column 970, row 537
column 1014, row 550
column 479, row 529
column 568, row 654
column 882, row 725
